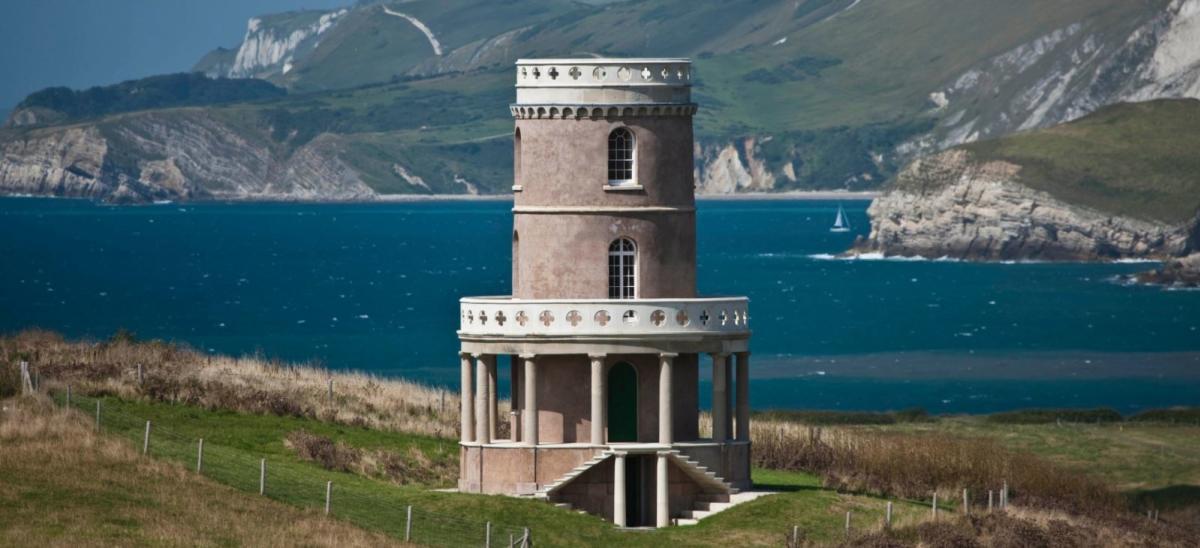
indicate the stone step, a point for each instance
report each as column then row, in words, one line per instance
column 686, row 521
column 711, row 506
column 695, row 514
column 712, row 497
column 564, row 505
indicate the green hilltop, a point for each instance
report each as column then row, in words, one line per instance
column 1136, row 160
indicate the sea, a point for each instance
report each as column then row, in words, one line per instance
column 374, row 287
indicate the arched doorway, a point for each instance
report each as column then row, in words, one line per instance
column 622, row 403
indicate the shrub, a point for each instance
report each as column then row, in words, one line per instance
column 1046, row 416
column 1173, row 415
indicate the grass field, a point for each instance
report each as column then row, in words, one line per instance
column 235, row 443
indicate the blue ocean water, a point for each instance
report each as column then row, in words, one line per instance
column 375, row 287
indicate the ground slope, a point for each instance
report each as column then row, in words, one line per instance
column 1123, row 182
column 66, row 485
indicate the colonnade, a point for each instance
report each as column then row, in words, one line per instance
column 479, row 409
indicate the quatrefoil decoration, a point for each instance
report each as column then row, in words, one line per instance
column 723, row 317
column 522, row 318
column 501, row 318
column 470, row 317
column 658, row 317
column 681, row 318
column 553, row 73
column 483, row 317
column 575, row 73
column 602, row 317
column 574, row 317
column 536, row 73
column 646, row 74
column 704, row 317
column 546, row 318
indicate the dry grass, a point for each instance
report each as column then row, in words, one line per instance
column 411, row 467
column 915, row 466
column 65, row 486
column 175, row 373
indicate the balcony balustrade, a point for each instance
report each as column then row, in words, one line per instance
column 509, row 317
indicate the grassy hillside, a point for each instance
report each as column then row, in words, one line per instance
column 1136, row 160
column 64, row 485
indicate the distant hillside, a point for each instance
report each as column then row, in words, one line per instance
column 1123, row 182
column 62, row 105
column 410, row 97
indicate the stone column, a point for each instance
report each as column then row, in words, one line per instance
column 599, row 395
column 619, row 489
column 492, row 409
column 743, row 396
column 482, row 432
column 662, row 497
column 529, row 434
column 466, row 409
column 720, row 400
column 665, row 416
column 514, row 415
column 729, row 396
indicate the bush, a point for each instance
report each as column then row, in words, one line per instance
column 1047, row 416
column 829, row 418
column 1173, row 415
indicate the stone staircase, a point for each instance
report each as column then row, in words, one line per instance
column 716, row 496
column 545, row 492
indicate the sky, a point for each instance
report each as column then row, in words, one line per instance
column 82, row 43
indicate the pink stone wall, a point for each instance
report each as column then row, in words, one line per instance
column 564, row 164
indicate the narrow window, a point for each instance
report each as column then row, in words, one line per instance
column 516, row 263
column 620, row 157
column 517, row 158
column 622, row 269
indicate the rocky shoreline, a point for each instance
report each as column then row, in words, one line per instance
column 950, row 205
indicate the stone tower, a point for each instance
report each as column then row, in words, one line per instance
column 604, row 331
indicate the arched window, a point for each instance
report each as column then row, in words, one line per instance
column 517, row 157
column 622, row 269
column 620, row 157
column 516, row 263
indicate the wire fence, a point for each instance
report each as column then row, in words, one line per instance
column 362, row 501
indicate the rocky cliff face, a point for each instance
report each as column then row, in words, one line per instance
column 950, row 205
column 271, row 45
column 187, row 154
column 1068, row 73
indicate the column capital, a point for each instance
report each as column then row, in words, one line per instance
column 621, row 454
column 721, row 354
column 665, row 453
column 465, row 354
column 668, row 355
column 527, row 356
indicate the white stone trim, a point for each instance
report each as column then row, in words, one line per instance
column 600, row 210
column 508, row 317
column 595, row 111
column 602, row 72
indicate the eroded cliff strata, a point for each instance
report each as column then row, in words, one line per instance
column 950, row 205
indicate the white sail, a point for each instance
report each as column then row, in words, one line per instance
column 840, row 224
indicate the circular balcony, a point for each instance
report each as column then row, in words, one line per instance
column 509, row 317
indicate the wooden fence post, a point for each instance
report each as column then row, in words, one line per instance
column 795, row 535
column 328, row 494
column 525, row 540
column 262, row 477
column 97, row 415
column 141, row 375
column 487, row 535
column 146, row 440
column 935, row 505
column 989, row 501
column 331, row 391
column 847, row 524
column 887, row 519
column 408, row 524
column 966, row 509
column 200, row 457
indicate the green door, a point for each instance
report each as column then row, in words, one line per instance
column 622, row 403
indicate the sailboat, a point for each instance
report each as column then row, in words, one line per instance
column 841, row 224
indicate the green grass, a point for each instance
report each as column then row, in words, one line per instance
column 235, row 442
column 1137, row 160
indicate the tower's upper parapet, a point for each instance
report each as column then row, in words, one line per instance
column 589, row 81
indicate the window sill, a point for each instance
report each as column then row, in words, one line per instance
column 517, row 188
column 624, row 188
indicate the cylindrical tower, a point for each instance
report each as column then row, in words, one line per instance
column 604, row 335
column 604, row 204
